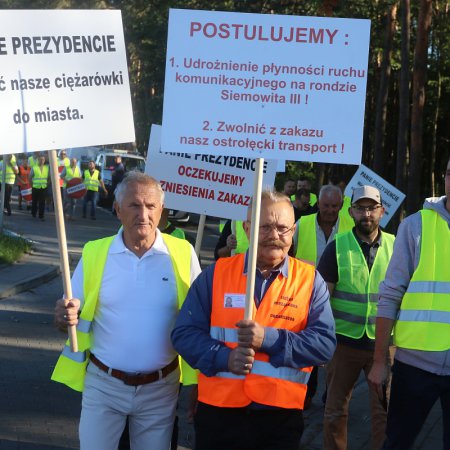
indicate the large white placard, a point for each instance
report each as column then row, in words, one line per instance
column 63, row 80
column 391, row 197
column 215, row 185
column 264, row 85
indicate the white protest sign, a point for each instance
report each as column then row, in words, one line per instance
column 265, row 85
column 63, row 80
column 391, row 197
column 215, row 185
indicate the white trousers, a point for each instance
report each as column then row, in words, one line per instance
column 107, row 402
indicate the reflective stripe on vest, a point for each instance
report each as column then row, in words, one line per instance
column 349, row 317
column 283, row 306
column 40, row 177
column 79, row 357
column 70, row 368
column 266, row 369
column 259, row 367
column 436, row 287
column 424, row 318
column 358, row 298
column 84, row 325
column 241, row 238
column 224, row 334
column 306, row 237
column 355, row 297
column 91, row 181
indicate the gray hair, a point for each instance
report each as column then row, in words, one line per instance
column 273, row 196
column 138, row 178
column 329, row 189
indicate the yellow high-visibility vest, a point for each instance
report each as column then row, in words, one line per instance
column 70, row 173
column 424, row 319
column 70, row 368
column 40, row 177
column 91, row 181
column 242, row 240
column 306, row 237
column 355, row 297
column 10, row 176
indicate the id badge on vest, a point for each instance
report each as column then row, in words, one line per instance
column 234, row 300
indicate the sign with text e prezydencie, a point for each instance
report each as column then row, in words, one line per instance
column 216, row 185
column 63, row 80
column 391, row 197
column 264, row 85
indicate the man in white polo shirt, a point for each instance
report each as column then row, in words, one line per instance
column 127, row 292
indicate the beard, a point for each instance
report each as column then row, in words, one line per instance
column 366, row 227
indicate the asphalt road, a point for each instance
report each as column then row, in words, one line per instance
column 37, row 414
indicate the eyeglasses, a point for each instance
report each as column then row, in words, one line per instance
column 366, row 209
column 281, row 230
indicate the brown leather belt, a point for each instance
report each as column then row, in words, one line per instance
column 138, row 379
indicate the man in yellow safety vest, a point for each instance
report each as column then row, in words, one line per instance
column 92, row 180
column 127, row 291
column 72, row 171
column 39, row 176
column 11, row 170
column 415, row 303
column 353, row 265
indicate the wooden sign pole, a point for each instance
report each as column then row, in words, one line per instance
column 253, row 245
column 62, row 242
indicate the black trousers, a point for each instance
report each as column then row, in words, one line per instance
column 38, row 201
column 8, row 191
column 413, row 394
column 247, row 429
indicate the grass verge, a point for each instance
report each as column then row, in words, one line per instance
column 12, row 248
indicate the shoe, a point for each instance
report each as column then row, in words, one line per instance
column 93, row 218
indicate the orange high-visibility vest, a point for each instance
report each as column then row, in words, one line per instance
column 285, row 305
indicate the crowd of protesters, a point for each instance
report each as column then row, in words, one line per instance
column 331, row 289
